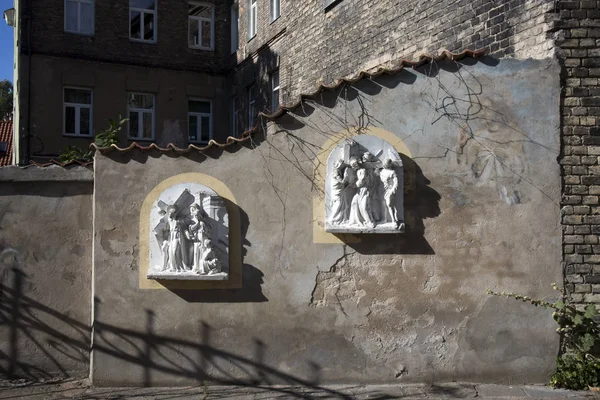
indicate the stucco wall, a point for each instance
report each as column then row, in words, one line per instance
column 45, row 272
column 481, row 139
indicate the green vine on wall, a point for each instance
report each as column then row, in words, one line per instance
column 103, row 139
column 578, row 365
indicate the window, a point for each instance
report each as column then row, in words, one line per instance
column 201, row 18
column 234, row 118
column 252, row 19
column 275, row 9
column 140, row 108
column 3, row 148
column 142, row 20
column 79, row 16
column 235, row 21
column 77, row 112
column 327, row 4
column 251, row 106
column 275, row 90
column 199, row 120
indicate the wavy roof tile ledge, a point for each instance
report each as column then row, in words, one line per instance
column 393, row 68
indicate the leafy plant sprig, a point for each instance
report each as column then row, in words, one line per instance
column 578, row 366
column 107, row 137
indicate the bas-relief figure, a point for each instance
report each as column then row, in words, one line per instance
column 364, row 192
column 191, row 235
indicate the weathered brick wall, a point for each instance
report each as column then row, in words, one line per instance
column 111, row 43
column 319, row 45
column 579, row 45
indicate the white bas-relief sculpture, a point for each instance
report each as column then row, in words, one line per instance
column 189, row 234
column 364, row 187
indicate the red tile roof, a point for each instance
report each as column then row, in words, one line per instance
column 6, row 135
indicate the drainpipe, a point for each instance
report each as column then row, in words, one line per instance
column 27, row 138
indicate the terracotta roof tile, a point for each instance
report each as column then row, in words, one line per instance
column 6, row 136
column 284, row 108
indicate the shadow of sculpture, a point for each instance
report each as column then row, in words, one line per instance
column 421, row 202
column 252, row 277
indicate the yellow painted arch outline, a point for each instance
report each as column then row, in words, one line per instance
column 235, row 239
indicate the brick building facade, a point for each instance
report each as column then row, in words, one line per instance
column 285, row 48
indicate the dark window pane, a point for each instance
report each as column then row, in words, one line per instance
column 78, row 96
column 194, row 35
column 147, row 126
column 84, row 121
column 198, row 10
column 199, row 106
column 71, row 15
column 135, row 18
column 148, row 26
column 206, row 33
column 141, row 101
column 133, row 124
column 86, row 18
column 193, row 128
column 145, row 4
column 70, row 120
column 275, row 80
column 275, row 100
column 205, row 131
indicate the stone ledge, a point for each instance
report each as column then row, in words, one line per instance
column 15, row 173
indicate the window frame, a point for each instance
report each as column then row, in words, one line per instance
column 78, row 31
column 235, row 118
column 143, row 12
column 234, row 15
column 199, row 20
column 252, row 26
column 251, row 106
column 141, row 120
column 78, row 106
column 200, row 115
column 273, row 89
column 275, row 5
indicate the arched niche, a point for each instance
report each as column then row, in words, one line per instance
column 189, row 234
column 364, row 187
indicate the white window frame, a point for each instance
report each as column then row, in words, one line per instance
column 275, row 88
column 78, row 106
column 143, row 12
column 235, row 118
column 275, row 9
column 198, row 21
column 251, row 106
column 141, row 112
column 198, row 124
column 252, row 22
column 78, row 30
column 235, row 27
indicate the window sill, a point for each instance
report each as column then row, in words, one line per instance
column 73, row 135
column 142, row 41
column 80, row 33
column 140, row 139
column 250, row 39
column 201, row 48
column 276, row 19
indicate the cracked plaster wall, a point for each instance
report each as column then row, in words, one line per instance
column 484, row 138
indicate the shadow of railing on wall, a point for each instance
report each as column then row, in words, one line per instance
column 59, row 337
